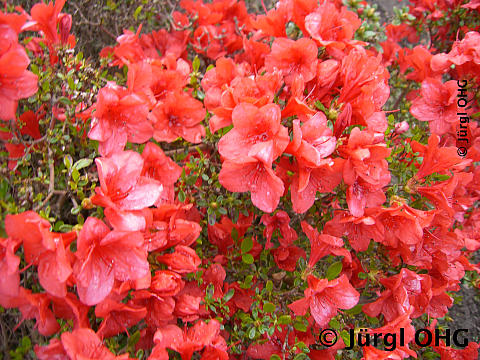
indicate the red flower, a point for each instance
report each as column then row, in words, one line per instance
column 85, row 344
column 365, row 171
column 256, row 140
column 179, row 115
column 279, row 221
column 160, row 167
column 286, row 257
column 183, row 260
column 252, row 175
column 123, row 190
column 437, row 105
column 10, row 276
column 167, row 283
column 29, row 126
column 293, row 58
column 257, row 133
column 322, row 245
column 400, row 323
column 120, row 116
column 311, row 144
column 324, row 298
column 37, row 306
column 15, row 151
column 185, row 342
column 332, row 28
column 117, row 317
column 403, row 224
column 402, row 291
column 104, row 255
column 437, row 159
column 220, row 234
column 258, row 91
column 43, row 248
column 365, row 86
column 16, row 82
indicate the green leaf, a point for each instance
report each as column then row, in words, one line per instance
column 269, row 286
column 362, row 275
column 71, row 83
column 137, row 12
column 247, row 259
column 196, row 64
column 212, row 218
column 65, row 101
column 285, row 319
column 82, row 163
column 334, row 324
column 300, row 326
column 67, row 160
column 252, row 333
column 228, row 295
column 181, row 196
column 247, row 245
column 75, row 175
column 357, row 309
column 268, row 307
column 334, row 270
column 133, row 340
column 234, row 234
column 346, row 337
column 300, row 356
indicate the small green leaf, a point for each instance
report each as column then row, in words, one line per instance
column 67, row 160
column 346, row 337
column 65, row 101
column 275, row 357
column 357, row 309
column 82, row 163
column 334, row 270
column 234, row 234
column 252, row 333
column 196, row 64
column 300, row 326
column 212, row 218
column 181, row 196
column 335, row 324
column 269, row 286
column 268, row 307
column 300, row 356
column 133, row 340
column 362, row 275
column 247, row 259
column 75, row 175
column 228, row 295
column 285, row 319
column 71, row 83
column 247, row 245
column 137, row 12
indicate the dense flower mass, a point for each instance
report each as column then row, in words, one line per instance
column 237, row 183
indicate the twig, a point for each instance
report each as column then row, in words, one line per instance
column 189, row 149
column 51, row 185
column 88, row 22
column 404, row 91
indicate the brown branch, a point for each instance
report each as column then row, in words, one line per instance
column 402, row 95
column 51, row 185
column 189, row 149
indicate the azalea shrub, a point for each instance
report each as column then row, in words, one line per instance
column 235, row 182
